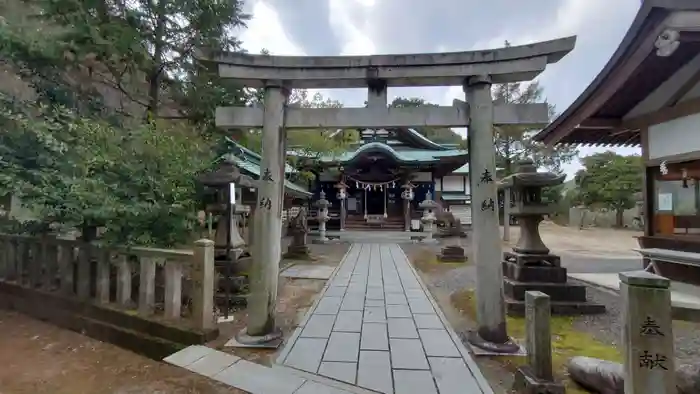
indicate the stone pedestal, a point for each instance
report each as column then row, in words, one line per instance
column 647, row 334
column 452, row 254
column 543, row 273
column 536, row 377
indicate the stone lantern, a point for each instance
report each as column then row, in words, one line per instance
column 342, row 196
column 226, row 174
column 530, row 209
column 531, row 266
column 228, row 243
column 429, row 218
column 407, row 195
column 322, row 205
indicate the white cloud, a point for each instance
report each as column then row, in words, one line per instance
column 266, row 32
column 354, row 24
column 352, row 30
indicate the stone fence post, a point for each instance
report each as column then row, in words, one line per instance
column 536, row 376
column 202, row 273
column 647, row 334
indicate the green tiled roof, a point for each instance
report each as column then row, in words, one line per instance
column 403, row 155
column 249, row 162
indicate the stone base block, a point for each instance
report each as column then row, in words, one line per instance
column 556, row 291
column 451, row 259
column 528, row 273
column 452, row 254
column 532, row 259
column 272, row 340
column 516, row 308
column 297, row 252
column 526, row 383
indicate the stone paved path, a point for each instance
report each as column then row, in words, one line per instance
column 376, row 327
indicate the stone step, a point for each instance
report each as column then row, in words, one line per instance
column 532, row 274
column 557, row 291
column 559, row 308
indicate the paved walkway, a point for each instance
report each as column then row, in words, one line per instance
column 376, row 327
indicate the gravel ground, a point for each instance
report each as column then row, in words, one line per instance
column 604, row 328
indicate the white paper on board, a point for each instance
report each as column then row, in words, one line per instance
column 665, row 202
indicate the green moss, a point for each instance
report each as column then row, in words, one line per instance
column 567, row 342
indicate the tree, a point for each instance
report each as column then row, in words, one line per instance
column 609, row 180
column 439, row 135
column 81, row 173
column 144, row 49
column 514, row 143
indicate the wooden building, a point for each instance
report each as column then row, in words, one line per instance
column 376, row 168
column 648, row 96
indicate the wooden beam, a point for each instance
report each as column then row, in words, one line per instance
column 683, row 90
column 535, row 115
column 685, row 108
column 600, row 123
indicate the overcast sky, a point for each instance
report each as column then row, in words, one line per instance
column 364, row 27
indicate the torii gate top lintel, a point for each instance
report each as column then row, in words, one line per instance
column 508, row 64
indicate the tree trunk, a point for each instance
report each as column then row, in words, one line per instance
column 158, row 53
column 619, row 217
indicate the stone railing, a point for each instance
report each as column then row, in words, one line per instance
column 175, row 285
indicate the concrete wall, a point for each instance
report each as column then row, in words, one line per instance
column 600, row 218
column 674, row 137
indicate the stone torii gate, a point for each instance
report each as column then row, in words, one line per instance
column 476, row 71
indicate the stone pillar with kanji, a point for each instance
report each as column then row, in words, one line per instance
column 647, row 334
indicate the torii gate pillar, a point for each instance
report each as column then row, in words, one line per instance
column 491, row 333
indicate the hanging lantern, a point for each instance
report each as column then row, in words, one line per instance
column 342, row 190
column 684, row 178
column 663, row 168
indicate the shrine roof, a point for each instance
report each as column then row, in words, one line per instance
column 404, row 156
column 249, row 162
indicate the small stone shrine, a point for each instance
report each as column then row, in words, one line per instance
column 298, row 229
column 530, row 266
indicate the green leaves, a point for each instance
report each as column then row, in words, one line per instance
column 139, row 184
column 609, row 180
column 514, row 143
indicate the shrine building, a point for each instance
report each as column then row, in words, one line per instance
column 648, row 96
column 386, row 175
